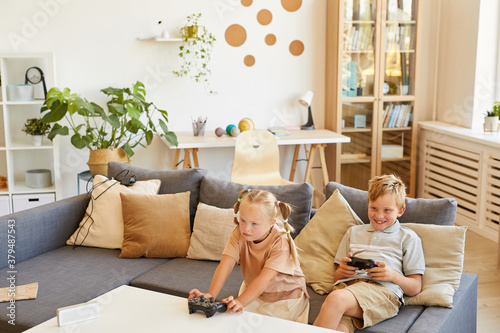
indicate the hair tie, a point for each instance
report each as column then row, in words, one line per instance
column 239, row 199
column 288, row 231
column 285, row 221
column 278, row 203
column 248, row 191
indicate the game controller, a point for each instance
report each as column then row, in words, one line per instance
column 361, row 263
column 208, row 306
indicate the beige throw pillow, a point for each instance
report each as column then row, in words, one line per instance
column 104, row 228
column 212, row 226
column 444, row 256
column 155, row 226
column 320, row 239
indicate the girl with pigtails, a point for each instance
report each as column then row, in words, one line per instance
column 273, row 283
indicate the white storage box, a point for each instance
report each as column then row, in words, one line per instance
column 26, row 201
column 21, row 92
column 392, row 151
column 4, row 205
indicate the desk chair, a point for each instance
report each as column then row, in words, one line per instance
column 256, row 159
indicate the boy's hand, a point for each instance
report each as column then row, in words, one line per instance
column 233, row 304
column 382, row 272
column 196, row 293
column 345, row 270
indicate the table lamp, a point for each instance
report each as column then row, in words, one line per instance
column 306, row 101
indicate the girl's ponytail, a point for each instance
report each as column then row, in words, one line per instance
column 285, row 210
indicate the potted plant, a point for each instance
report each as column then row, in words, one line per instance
column 113, row 133
column 37, row 129
column 491, row 118
column 195, row 52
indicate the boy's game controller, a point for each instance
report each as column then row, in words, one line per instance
column 361, row 263
column 208, row 306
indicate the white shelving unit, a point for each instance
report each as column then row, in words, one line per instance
column 17, row 153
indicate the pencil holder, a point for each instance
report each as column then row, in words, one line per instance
column 199, row 128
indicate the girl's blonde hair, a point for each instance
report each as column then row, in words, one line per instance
column 387, row 184
column 273, row 208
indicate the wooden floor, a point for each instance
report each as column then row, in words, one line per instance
column 481, row 259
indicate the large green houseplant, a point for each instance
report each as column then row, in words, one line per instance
column 127, row 123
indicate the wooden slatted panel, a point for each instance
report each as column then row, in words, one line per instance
column 493, row 192
column 452, row 172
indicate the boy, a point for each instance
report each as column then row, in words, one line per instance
column 362, row 298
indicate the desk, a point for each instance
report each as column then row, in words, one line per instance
column 317, row 139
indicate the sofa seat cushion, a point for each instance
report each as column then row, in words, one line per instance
column 179, row 275
column 68, row 276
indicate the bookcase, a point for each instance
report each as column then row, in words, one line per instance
column 17, row 153
column 370, row 89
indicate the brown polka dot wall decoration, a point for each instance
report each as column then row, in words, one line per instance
column 296, row 47
column 291, row 5
column 249, row 60
column 264, row 17
column 246, row 3
column 270, row 39
column 236, row 35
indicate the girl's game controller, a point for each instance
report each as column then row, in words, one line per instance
column 208, row 306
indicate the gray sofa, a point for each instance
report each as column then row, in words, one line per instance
column 68, row 275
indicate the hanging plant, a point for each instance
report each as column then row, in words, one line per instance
column 195, row 52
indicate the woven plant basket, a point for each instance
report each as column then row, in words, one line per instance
column 99, row 158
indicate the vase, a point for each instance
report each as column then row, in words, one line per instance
column 99, row 158
column 191, row 31
column 491, row 124
column 37, row 140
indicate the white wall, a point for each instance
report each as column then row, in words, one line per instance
column 96, row 45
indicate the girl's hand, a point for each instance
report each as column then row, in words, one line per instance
column 345, row 270
column 382, row 272
column 196, row 293
column 233, row 304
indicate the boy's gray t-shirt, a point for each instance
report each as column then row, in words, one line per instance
column 399, row 247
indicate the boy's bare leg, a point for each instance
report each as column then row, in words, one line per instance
column 338, row 303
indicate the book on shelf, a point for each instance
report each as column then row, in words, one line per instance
column 359, row 38
column 408, row 116
column 401, row 116
column 388, row 115
column 354, row 40
column 395, row 111
column 395, row 116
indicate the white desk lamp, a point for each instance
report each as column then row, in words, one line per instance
column 306, row 100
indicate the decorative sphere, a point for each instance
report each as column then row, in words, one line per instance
column 219, row 131
column 229, row 128
column 246, row 124
column 235, row 131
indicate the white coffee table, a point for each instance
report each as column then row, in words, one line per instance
column 129, row 309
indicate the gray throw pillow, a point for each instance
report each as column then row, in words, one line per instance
column 426, row 211
column 172, row 181
column 224, row 194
